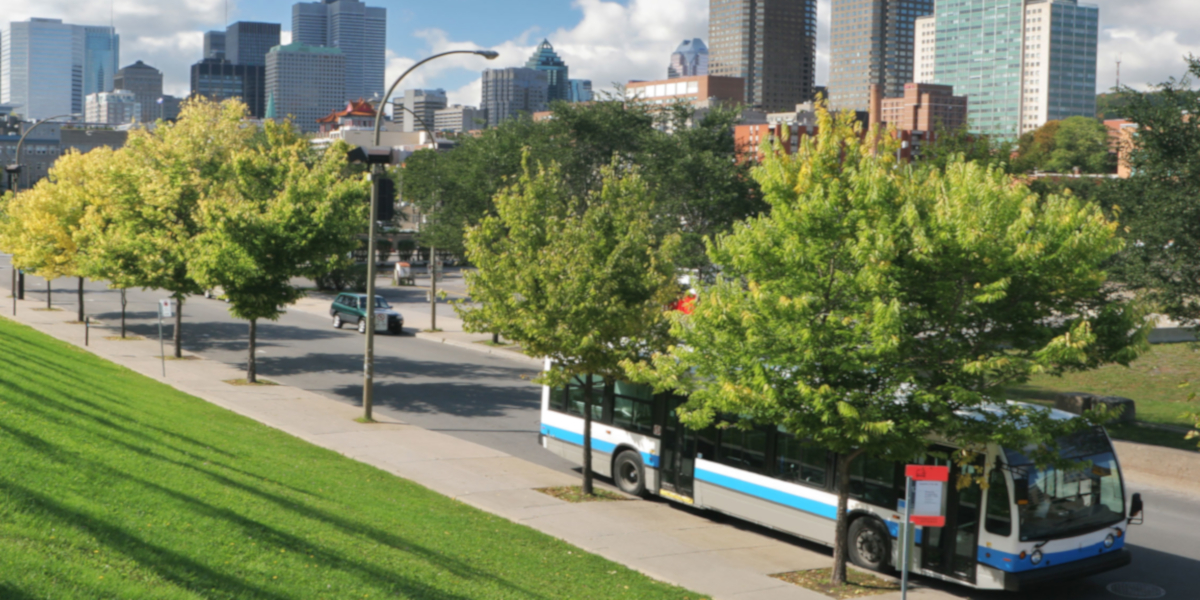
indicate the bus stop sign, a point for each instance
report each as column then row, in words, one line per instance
column 929, row 485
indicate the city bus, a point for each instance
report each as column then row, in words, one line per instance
column 1031, row 526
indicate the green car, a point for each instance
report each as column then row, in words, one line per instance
column 352, row 308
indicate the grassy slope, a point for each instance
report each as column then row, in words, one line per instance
column 115, row 486
column 1159, row 382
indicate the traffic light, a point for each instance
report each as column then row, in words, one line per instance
column 386, row 211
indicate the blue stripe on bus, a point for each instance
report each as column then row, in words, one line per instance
column 1012, row 563
column 599, row 445
column 760, row 491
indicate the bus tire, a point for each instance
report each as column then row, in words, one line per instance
column 628, row 473
column 869, row 544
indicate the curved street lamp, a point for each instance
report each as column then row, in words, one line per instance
column 376, row 174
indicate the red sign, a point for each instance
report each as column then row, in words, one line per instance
column 928, row 521
column 927, row 473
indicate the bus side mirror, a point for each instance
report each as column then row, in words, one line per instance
column 1021, row 491
column 1135, row 509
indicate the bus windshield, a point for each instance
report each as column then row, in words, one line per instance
column 1064, row 502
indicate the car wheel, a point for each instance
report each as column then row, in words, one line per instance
column 362, row 325
column 870, row 545
column 337, row 321
column 629, row 474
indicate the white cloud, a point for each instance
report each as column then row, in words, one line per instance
column 165, row 35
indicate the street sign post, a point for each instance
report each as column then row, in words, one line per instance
column 166, row 309
column 923, row 489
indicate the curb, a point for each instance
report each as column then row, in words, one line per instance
column 436, row 337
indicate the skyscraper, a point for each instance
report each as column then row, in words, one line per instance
column 304, row 83
column 771, row 44
column 146, row 84
column 360, row 31
column 247, row 43
column 871, row 43
column 1021, row 62
column 214, row 44
column 557, row 77
column 113, row 108
column 512, row 91
column 581, row 90
column 425, row 103
column 689, row 59
column 218, row 80
column 101, row 55
column 46, row 65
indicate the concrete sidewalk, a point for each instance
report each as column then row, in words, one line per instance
column 667, row 543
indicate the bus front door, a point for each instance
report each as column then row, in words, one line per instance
column 952, row 550
column 678, row 454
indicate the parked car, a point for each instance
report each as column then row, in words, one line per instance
column 352, row 308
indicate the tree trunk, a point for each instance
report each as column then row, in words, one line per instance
column 49, row 291
column 251, row 366
column 178, row 333
column 80, row 299
column 842, row 532
column 123, row 303
column 587, row 435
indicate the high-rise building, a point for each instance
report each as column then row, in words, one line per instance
column 112, row 108
column 168, row 108
column 509, row 92
column 689, row 59
column 697, row 91
column 219, row 80
column 924, row 48
column 581, row 90
column 146, row 84
column 871, row 43
column 1021, row 62
column 458, row 119
column 247, row 43
column 214, row 44
column 425, row 103
column 360, row 31
column 770, row 44
column 304, row 83
column 101, row 55
column 557, row 73
column 47, row 66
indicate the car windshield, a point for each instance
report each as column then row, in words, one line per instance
column 1062, row 502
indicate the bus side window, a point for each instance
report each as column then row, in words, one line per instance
column 999, row 507
column 873, row 480
column 632, row 408
column 706, row 443
column 558, row 400
column 798, row 463
column 746, row 450
column 575, row 400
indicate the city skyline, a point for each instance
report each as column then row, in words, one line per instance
column 631, row 41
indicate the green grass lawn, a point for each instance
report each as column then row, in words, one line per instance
column 113, row 485
column 1160, row 382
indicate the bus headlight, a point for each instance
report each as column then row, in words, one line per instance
column 1109, row 541
column 1036, row 557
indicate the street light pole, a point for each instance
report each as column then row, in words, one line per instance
column 432, row 248
column 21, row 143
column 376, row 174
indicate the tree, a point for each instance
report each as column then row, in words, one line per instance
column 582, row 280
column 1158, row 204
column 44, row 228
column 947, row 145
column 1034, row 148
column 151, row 228
column 284, row 212
column 692, row 175
column 1081, row 142
column 876, row 306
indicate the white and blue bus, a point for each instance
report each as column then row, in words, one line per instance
column 1029, row 527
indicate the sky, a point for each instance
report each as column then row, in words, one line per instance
column 605, row 41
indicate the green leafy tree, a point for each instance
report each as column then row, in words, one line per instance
column 949, row 144
column 283, row 212
column 1081, row 142
column 1034, row 148
column 875, row 305
column 151, row 227
column 582, row 280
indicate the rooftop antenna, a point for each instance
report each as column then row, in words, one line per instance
column 1118, row 72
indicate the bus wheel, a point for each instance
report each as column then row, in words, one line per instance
column 869, row 544
column 629, row 474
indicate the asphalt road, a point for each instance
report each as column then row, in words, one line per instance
column 488, row 400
